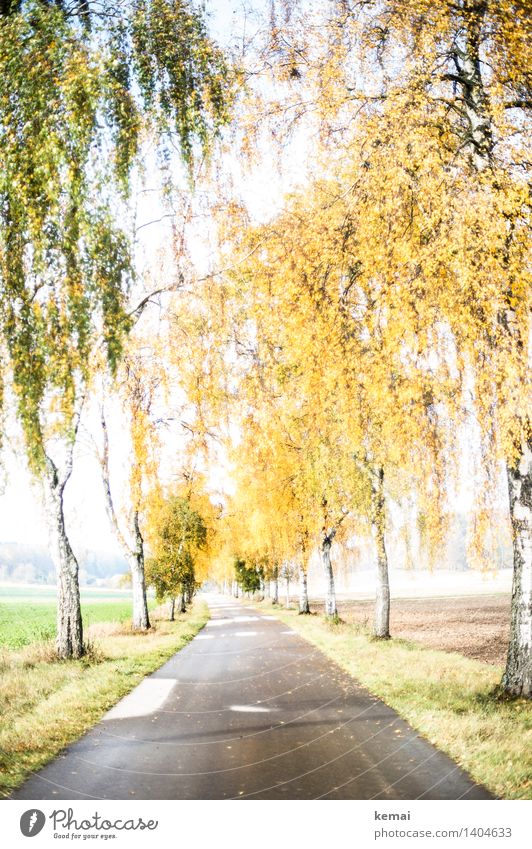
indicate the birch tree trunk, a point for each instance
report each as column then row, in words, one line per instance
column 141, row 620
column 287, row 590
column 69, row 640
column 475, row 101
column 303, row 592
column 171, row 610
column 182, row 603
column 330, row 597
column 133, row 554
column 517, row 680
column 382, row 599
column 518, row 673
column 276, row 585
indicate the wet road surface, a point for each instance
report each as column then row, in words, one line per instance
column 250, row 710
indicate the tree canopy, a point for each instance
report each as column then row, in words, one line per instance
column 349, row 344
column 383, row 316
column 82, row 85
column 178, row 533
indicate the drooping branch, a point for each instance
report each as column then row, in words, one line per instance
column 106, row 481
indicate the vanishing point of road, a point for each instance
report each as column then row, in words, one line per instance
column 250, row 710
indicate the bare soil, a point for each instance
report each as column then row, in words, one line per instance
column 474, row 626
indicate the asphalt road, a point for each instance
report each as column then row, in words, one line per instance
column 250, row 710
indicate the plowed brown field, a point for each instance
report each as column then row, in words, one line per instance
column 475, row 626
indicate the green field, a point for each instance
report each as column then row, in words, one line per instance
column 45, row 592
column 27, row 614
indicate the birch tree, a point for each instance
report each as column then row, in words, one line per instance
column 319, row 353
column 80, row 86
column 137, row 383
column 465, row 92
column 430, row 102
column 177, row 534
column 270, row 507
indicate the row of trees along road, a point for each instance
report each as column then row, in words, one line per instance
column 353, row 341
column 81, row 89
column 384, row 315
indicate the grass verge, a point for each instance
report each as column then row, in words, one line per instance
column 46, row 704
column 448, row 698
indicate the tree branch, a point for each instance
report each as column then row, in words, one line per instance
column 106, row 480
column 139, row 309
column 518, row 104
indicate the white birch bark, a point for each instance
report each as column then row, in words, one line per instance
column 171, row 609
column 517, row 680
column 330, row 597
column 474, row 99
column 517, row 676
column 69, row 640
column 140, row 619
column 382, row 596
column 303, row 590
column 134, row 554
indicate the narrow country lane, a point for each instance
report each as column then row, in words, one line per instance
column 250, row 710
